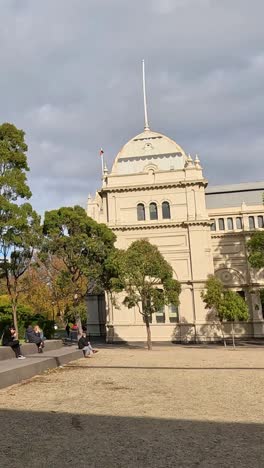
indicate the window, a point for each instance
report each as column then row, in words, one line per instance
column 141, row 212
column 166, row 210
column 213, row 226
column 221, row 224
column 260, row 222
column 239, row 222
column 230, row 224
column 173, row 313
column 153, row 211
column 251, row 222
column 160, row 316
column 242, row 294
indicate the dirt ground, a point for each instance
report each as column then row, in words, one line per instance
column 171, row 407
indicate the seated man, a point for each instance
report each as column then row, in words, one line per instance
column 32, row 337
column 10, row 339
column 85, row 345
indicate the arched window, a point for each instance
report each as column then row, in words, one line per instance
column 141, row 212
column 153, row 211
column 213, row 225
column 260, row 222
column 230, row 224
column 166, row 210
column 251, row 222
column 221, row 224
column 239, row 222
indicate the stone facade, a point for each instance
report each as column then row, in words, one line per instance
column 155, row 191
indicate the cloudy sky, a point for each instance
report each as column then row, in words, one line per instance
column 71, row 78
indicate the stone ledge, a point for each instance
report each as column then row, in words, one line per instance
column 28, row 348
column 14, row 371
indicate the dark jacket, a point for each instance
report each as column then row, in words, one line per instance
column 83, row 341
column 31, row 336
column 8, row 339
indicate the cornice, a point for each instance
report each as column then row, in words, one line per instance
column 163, row 185
column 145, row 226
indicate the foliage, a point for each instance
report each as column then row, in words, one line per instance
column 256, row 249
column 147, row 279
column 82, row 245
column 19, row 223
column 226, row 304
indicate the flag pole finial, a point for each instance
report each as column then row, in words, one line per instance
column 146, row 126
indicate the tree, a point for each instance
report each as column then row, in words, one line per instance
column 226, row 304
column 256, row 250
column 19, row 223
column 82, row 245
column 147, row 279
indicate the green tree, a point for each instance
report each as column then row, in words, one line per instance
column 256, row 250
column 19, row 223
column 147, row 279
column 83, row 245
column 226, row 304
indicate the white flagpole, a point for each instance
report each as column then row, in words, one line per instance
column 102, row 158
column 144, row 96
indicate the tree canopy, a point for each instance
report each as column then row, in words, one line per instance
column 225, row 303
column 256, row 250
column 19, row 223
column 82, row 245
column 146, row 278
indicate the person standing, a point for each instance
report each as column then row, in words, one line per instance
column 67, row 328
column 10, row 339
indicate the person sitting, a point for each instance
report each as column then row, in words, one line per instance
column 39, row 333
column 10, row 339
column 33, row 337
column 85, row 345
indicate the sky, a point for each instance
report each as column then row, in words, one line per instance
column 71, row 79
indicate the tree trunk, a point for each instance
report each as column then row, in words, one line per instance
column 149, row 343
column 223, row 334
column 14, row 311
column 233, row 335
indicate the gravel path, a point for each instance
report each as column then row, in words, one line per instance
column 172, row 407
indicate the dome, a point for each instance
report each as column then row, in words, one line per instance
column 149, row 149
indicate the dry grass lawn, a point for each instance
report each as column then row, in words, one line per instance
column 172, row 407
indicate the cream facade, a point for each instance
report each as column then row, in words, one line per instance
column 157, row 192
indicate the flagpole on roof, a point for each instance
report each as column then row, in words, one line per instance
column 146, row 127
column 102, row 160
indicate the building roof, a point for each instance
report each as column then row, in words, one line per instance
column 149, row 147
column 224, row 196
column 243, row 187
column 149, row 143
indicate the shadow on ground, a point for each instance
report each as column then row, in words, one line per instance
column 42, row 439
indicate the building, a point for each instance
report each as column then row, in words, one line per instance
column 156, row 191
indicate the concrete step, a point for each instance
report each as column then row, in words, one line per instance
column 13, row 371
column 28, row 348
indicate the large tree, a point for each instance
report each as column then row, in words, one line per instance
column 226, row 304
column 19, row 223
column 147, row 280
column 83, row 246
column 256, row 250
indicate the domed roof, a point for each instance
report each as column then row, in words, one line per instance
column 146, row 148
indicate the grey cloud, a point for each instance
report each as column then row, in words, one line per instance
column 71, row 77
